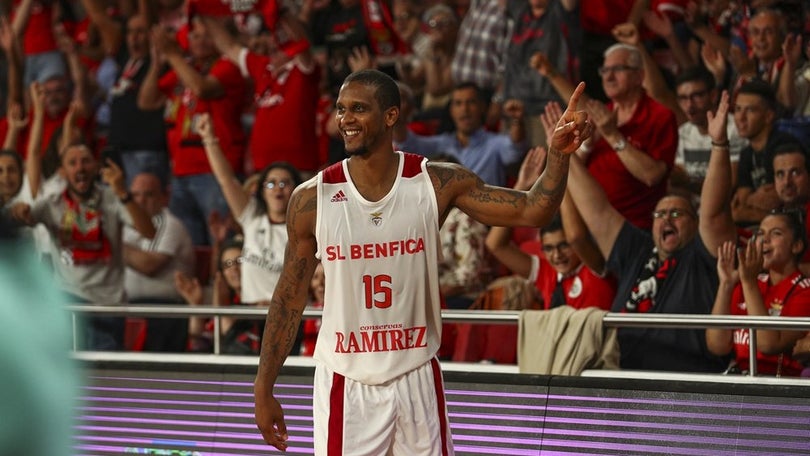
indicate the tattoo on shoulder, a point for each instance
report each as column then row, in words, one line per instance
column 443, row 174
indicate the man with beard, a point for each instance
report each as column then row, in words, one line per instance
column 85, row 223
column 671, row 269
column 373, row 221
column 792, row 184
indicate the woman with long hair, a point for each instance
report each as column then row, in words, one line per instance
column 766, row 282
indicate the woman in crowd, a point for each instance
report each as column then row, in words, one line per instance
column 262, row 216
column 11, row 172
column 781, row 290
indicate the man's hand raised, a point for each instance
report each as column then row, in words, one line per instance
column 573, row 128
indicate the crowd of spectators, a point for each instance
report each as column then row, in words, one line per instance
column 142, row 136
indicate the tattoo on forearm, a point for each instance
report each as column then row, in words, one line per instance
column 551, row 192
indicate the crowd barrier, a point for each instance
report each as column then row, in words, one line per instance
column 202, row 404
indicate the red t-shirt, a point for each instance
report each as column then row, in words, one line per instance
column 583, row 289
column 600, row 16
column 788, row 298
column 286, row 111
column 38, row 35
column 653, row 130
column 183, row 110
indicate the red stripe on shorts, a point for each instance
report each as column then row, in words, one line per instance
column 440, row 405
column 334, row 444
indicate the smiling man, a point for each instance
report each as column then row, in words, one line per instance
column 378, row 385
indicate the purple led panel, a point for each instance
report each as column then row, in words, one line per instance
column 193, row 414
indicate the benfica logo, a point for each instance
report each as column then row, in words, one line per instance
column 376, row 218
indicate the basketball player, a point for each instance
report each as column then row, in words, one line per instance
column 373, row 221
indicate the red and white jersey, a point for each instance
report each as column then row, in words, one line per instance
column 381, row 314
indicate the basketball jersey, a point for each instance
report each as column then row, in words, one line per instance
column 381, row 314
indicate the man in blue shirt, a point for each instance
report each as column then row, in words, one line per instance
column 485, row 153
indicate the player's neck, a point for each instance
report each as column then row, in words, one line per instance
column 374, row 174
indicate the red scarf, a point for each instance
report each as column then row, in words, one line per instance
column 384, row 39
column 648, row 284
column 81, row 234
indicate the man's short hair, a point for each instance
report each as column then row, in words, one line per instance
column 553, row 226
column 470, row 85
column 386, row 91
column 781, row 22
column 695, row 74
column 633, row 54
column 791, row 147
column 761, row 89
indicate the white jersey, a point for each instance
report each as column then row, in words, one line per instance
column 262, row 254
column 382, row 313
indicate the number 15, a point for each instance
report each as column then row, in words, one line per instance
column 378, row 291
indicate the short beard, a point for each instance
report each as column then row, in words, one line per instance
column 360, row 151
column 83, row 196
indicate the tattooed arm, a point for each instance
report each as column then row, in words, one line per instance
column 456, row 186
column 284, row 313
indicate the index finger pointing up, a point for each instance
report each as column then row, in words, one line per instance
column 573, row 102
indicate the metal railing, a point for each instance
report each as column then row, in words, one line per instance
column 611, row 320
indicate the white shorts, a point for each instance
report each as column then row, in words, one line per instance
column 406, row 416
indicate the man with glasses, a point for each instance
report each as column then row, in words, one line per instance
column 697, row 95
column 633, row 151
column 671, row 269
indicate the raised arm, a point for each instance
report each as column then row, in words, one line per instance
column 791, row 53
column 720, row 341
column 662, row 26
column 201, row 85
column 495, row 205
column 150, row 97
column 22, row 14
column 235, row 195
column 33, row 157
column 16, row 124
column 576, row 232
column 110, row 30
column 14, row 59
column 225, row 43
column 715, row 223
column 114, row 177
column 78, row 72
column 284, row 312
column 563, row 86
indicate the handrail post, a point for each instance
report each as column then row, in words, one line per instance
column 217, row 324
column 752, row 352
